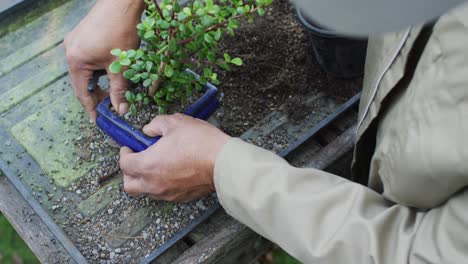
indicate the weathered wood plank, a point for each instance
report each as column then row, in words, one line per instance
column 227, row 242
column 47, row 31
column 172, row 253
column 29, row 226
column 337, row 148
column 216, row 243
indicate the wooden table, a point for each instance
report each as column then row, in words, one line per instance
column 32, row 64
column 221, row 239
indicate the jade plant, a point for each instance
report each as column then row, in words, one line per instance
column 176, row 38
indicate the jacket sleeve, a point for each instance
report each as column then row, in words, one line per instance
column 321, row 218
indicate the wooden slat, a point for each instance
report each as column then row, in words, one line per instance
column 227, row 242
column 29, row 226
column 337, row 148
column 218, row 244
column 42, row 34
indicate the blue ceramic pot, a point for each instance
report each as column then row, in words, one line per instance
column 126, row 135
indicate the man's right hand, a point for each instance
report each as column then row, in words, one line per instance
column 110, row 24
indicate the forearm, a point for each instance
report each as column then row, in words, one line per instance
column 128, row 10
column 319, row 217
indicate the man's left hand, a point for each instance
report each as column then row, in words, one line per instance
column 180, row 166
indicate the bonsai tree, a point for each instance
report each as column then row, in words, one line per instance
column 175, row 38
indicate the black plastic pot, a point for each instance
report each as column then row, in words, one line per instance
column 340, row 56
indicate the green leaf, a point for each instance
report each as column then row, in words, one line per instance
column 115, row 67
column 131, row 53
column 202, row 80
column 139, row 54
column 218, row 34
column 215, row 10
column 116, row 52
column 198, row 87
column 161, row 110
column 168, row 71
column 136, row 79
column 211, row 56
column 227, row 58
column 187, row 11
column 149, row 66
column 172, row 45
column 208, row 38
column 207, row 72
column 188, row 92
column 149, row 34
column 130, row 97
column 181, row 16
column 241, row 10
column 147, row 82
column 182, row 27
column 133, row 109
column 166, row 13
column 125, row 62
column 160, row 94
column 123, row 55
column 261, row 11
column 139, row 97
column 154, row 76
column 128, row 74
column 164, row 24
column 150, row 22
column 237, row 61
column 146, row 100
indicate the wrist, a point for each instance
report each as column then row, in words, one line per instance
column 220, row 142
column 129, row 8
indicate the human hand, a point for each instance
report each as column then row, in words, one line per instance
column 110, row 24
column 180, row 166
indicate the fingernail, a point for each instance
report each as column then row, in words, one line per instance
column 123, row 108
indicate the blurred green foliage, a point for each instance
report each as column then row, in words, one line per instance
column 281, row 257
column 12, row 247
column 278, row 256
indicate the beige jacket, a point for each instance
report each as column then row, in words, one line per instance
column 411, row 151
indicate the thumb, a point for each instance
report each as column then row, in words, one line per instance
column 129, row 161
column 159, row 126
column 118, row 87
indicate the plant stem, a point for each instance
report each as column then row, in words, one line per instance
column 172, row 11
column 155, row 85
column 214, row 27
column 158, row 8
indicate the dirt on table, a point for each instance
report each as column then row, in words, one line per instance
column 278, row 64
column 278, row 67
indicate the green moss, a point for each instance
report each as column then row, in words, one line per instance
column 33, row 11
column 12, row 246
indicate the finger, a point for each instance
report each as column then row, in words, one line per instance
column 80, row 79
column 100, row 94
column 129, row 162
column 118, row 87
column 133, row 186
column 160, row 125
